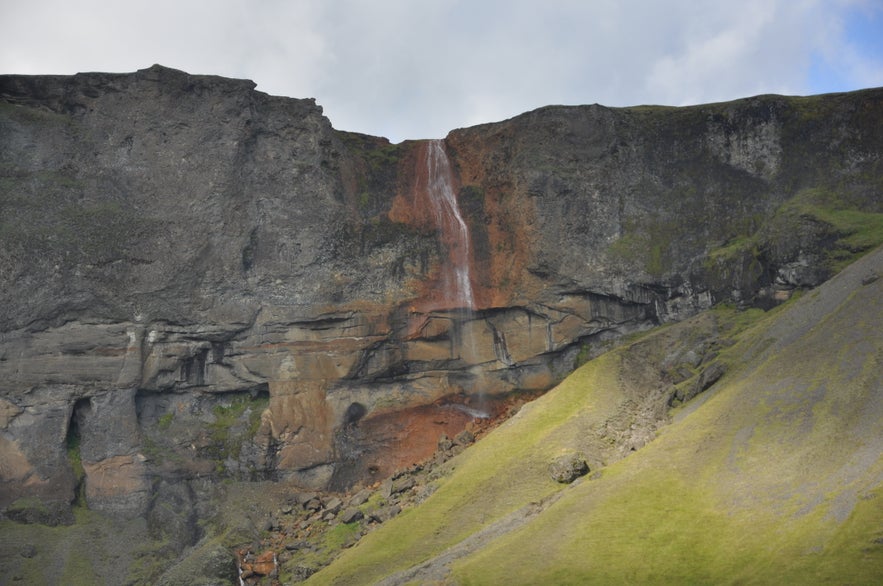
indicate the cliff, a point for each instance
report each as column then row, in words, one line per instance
column 772, row 476
column 201, row 281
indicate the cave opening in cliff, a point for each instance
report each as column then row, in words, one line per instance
column 73, row 440
column 193, row 369
column 354, row 413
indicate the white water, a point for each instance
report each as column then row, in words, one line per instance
column 470, row 411
column 454, row 232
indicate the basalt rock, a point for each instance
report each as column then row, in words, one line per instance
column 202, row 281
column 565, row 469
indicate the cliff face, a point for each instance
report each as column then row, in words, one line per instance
column 203, row 281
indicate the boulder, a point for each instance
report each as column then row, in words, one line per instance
column 351, row 515
column 384, row 514
column 712, row 373
column 464, row 438
column 333, row 505
column 445, row 443
column 403, row 484
column 565, row 469
column 360, row 498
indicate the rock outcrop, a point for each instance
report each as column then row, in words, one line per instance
column 202, row 281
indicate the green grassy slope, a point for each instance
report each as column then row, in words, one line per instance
column 775, row 475
column 502, row 474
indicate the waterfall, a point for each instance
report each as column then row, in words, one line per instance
column 456, row 278
column 455, row 286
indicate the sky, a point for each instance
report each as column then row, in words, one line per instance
column 408, row 69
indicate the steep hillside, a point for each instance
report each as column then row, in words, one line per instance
column 773, row 475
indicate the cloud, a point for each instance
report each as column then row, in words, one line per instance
column 408, row 69
column 850, row 52
column 756, row 49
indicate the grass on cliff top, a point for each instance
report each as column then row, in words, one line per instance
column 774, row 476
column 856, row 231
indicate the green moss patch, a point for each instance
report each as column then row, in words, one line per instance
column 647, row 245
column 236, row 422
column 94, row 550
column 819, row 220
column 856, row 231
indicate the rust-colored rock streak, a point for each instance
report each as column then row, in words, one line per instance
column 434, row 201
column 502, row 241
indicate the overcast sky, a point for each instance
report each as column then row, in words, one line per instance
column 419, row 68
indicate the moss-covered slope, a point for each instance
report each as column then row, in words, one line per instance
column 773, row 475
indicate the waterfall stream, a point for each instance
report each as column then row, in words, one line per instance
column 456, row 280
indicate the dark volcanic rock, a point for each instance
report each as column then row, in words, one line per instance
column 202, row 281
column 709, row 376
column 351, row 515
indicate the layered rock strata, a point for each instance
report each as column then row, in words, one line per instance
column 202, row 281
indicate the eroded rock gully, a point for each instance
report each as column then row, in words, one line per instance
column 201, row 281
